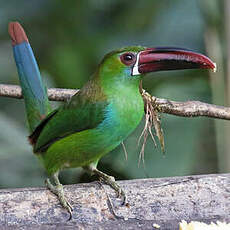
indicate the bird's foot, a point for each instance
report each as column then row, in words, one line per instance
column 57, row 189
column 110, row 181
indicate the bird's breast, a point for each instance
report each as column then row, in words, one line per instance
column 122, row 116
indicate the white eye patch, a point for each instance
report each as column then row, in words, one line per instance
column 135, row 67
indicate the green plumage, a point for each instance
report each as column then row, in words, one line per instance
column 100, row 116
column 95, row 121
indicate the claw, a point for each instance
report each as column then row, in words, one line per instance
column 65, row 204
column 119, row 193
column 123, row 197
column 124, row 202
column 70, row 206
column 70, row 209
column 57, row 189
column 110, row 180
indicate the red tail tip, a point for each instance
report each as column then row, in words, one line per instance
column 17, row 33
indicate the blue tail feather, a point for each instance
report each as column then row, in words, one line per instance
column 33, row 89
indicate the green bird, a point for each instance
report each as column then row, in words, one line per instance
column 98, row 117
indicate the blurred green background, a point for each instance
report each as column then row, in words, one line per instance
column 69, row 38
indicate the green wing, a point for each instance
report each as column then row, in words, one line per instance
column 78, row 115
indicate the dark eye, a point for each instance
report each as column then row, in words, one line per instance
column 128, row 59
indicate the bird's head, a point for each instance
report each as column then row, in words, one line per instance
column 134, row 62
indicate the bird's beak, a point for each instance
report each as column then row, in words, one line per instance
column 168, row 58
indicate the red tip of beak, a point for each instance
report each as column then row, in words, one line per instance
column 17, row 33
column 167, row 58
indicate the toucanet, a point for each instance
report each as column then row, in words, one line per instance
column 99, row 116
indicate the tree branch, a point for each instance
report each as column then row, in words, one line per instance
column 55, row 94
column 192, row 109
column 162, row 201
column 184, row 109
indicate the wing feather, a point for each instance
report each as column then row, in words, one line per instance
column 75, row 117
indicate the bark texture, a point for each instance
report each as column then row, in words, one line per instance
column 152, row 202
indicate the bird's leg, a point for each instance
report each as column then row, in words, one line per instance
column 57, row 189
column 108, row 180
